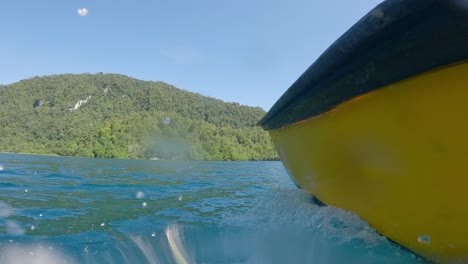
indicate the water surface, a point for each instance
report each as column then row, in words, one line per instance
column 79, row 210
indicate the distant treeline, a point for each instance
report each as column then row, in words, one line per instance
column 114, row 116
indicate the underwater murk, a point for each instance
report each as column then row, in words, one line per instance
column 78, row 210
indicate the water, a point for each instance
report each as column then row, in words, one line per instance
column 77, row 210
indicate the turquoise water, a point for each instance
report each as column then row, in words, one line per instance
column 78, row 210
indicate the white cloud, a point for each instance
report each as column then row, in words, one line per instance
column 82, row 12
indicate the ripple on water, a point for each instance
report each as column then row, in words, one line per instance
column 228, row 212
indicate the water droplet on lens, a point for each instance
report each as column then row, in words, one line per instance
column 140, row 195
column 424, row 239
column 14, row 228
column 5, row 209
column 167, row 121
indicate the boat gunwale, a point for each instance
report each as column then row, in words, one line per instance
column 393, row 42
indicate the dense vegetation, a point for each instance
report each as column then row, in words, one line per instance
column 114, row 116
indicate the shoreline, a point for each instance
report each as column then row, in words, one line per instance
column 55, row 155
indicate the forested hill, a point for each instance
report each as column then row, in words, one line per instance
column 114, row 116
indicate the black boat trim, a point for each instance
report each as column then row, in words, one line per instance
column 394, row 41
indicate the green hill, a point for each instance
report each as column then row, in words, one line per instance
column 114, row 116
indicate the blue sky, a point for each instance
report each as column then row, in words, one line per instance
column 246, row 51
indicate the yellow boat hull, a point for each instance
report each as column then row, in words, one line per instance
column 397, row 156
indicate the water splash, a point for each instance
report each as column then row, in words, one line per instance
column 176, row 243
column 224, row 216
column 146, row 248
column 288, row 227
